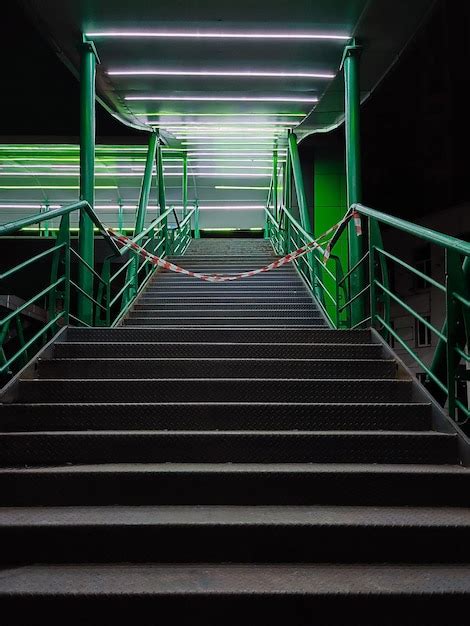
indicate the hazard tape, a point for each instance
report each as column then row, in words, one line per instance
column 219, row 278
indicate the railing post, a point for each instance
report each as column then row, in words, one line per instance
column 133, row 275
column 287, row 182
column 197, row 232
column 89, row 59
column 373, row 228
column 453, row 265
column 275, row 182
column 161, row 193
column 120, row 216
column 299, row 183
column 185, row 185
column 353, row 170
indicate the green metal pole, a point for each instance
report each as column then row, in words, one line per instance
column 185, row 185
column 275, row 183
column 142, row 211
column 87, row 177
column 120, row 216
column 162, row 195
column 146, row 184
column 353, row 170
column 197, row 232
column 299, row 183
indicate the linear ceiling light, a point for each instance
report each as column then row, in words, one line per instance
column 196, row 34
column 242, row 187
column 217, row 153
column 220, row 99
column 216, row 73
column 184, row 114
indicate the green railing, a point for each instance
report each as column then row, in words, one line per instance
column 453, row 338
column 113, row 291
column 326, row 282
column 335, row 293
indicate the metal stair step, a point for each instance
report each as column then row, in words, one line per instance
column 59, row 447
column 243, row 534
column 144, row 350
column 237, row 308
column 238, row 484
column 232, row 300
column 254, row 321
column 237, row 335
column 223, row 289
column 216, row 416
column 154, row 368
column 227, row 593
column 214, row 390
column 251, row 312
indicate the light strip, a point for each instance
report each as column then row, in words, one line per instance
column 266, row 124
column 42, row 187
column 241, row 188
column 221, row 142
column 30, row 206
column 215, row 73
column 184, row 114
column 226, row 129
column 196, row 34
column 218, row 99
column 218, row 153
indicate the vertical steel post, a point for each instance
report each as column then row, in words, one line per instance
column 353, row 170
column 89, row 59
column 162, row 195
column 299, row 183
column 146, row 184
column 185, row 185
column 275, row 182
column 120, row 216
column 197, row 232
column 133, row 273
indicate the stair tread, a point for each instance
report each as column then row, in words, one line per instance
column 238, row 433
column 250, row 580
column 345, row 516
column 244, row 468
column 217, row 359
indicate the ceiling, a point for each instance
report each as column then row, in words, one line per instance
column 224, row 81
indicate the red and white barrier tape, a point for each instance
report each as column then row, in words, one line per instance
column 219, row 278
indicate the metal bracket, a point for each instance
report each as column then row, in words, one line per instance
column 352, row 48
column 90, row 45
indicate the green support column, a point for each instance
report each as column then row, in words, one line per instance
column 162, row 195
column 185, row 186
column 87, row 177
column 197, row 232
column 353, row 170
column 275, row 182
column 299, row 183
column 142, row 208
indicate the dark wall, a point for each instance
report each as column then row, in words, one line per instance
column 40, row 96
column 415, row 127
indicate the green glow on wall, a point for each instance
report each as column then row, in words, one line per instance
column 330, row 202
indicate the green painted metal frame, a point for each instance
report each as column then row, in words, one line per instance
column 376, row 294
column 352, row 107
column 89, row 58
column 109, row 306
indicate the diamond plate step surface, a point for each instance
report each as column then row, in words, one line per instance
column 224, row 453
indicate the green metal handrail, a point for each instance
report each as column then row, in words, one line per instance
column 454, row 337
column 375, row 294
column 316, row 274
column 61, row 293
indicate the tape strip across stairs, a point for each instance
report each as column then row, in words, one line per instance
column 337, row 229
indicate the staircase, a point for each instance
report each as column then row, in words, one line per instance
column 224, row 457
